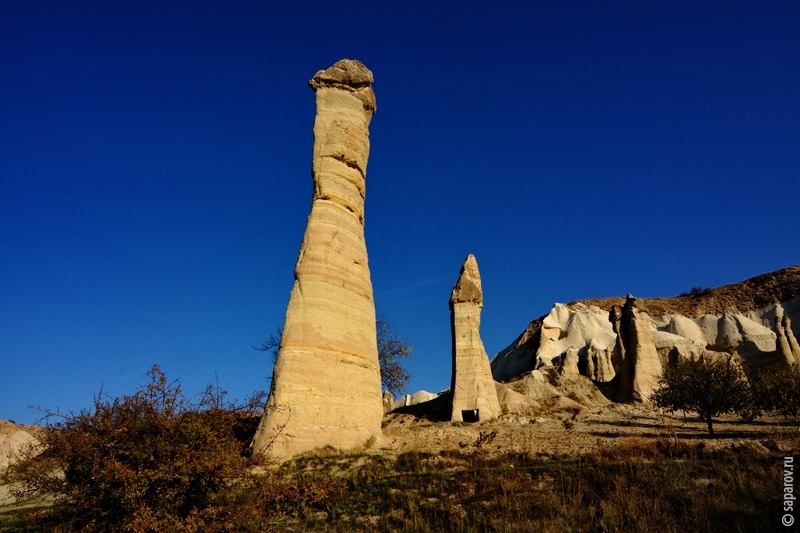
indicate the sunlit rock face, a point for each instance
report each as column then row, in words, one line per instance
column 783, row 334
column 793, row 344
column 326, row 385
column 754, row 321
column 641, row 366
column 473, row 388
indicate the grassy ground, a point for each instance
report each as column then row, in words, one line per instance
column 648, row 485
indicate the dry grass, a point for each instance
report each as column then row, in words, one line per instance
column 662, row 483
column 643, row 485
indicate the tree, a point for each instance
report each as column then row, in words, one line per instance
column 150, row 461
column 776, row 388
column 708, row 386
column 392, row 348
column 272, row 344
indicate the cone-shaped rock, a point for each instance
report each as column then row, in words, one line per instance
column 326, row 385
column 473, row 389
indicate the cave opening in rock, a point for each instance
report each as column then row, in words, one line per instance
column 470, row 415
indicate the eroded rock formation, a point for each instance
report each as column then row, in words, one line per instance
column 782, row 346
column 793, row 344
column 16, row 442
column 569, row 365
column 326, row 385
column 421, row 396
column 596, row 364
column 750, row 337
column 388, row 401
column 622, row 364
column 473, row 389
column 641, row 366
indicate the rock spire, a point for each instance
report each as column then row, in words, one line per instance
column 793, row 344
column 640, row 366
column 326, row 385
column 472, row 386
column 785, row 341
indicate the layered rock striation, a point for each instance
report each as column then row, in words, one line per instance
column 472, row 386
column 326, row 385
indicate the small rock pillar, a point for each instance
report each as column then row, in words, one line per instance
column 472, row 386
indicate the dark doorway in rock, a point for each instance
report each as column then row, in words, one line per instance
column 470, row 415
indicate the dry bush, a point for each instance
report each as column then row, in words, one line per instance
column 150, row 461
column 155, row 462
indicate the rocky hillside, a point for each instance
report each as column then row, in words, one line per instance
column 754, row 293
column 750, row 307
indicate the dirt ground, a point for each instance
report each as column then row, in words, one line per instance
column 591, row 430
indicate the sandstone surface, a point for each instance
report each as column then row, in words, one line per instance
column 595, row 363
column 388, row 401
column 15, row 442
column 472, row 386
column 543, row 396
column 784, row 349
column 326, row 386
column 674, row 348
column 585, row 328
column 685, row 327
column 641, row 366
column 736, row 333
column 418, row 397
column 733, row 319
column 794, row 346
column 569, row 364
column 513, row 403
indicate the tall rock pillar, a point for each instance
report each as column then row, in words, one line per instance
column 473, row 389
column 326, row 384
column 640, row 365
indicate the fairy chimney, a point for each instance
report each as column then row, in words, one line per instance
column 326, row 384
column 640, row 366
column 472, row 386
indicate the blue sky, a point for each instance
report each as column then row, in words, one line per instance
column 155, row 171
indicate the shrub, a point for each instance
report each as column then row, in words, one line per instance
column 776, row 388
column 151, row 461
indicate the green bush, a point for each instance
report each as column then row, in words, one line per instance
column 708, row 386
